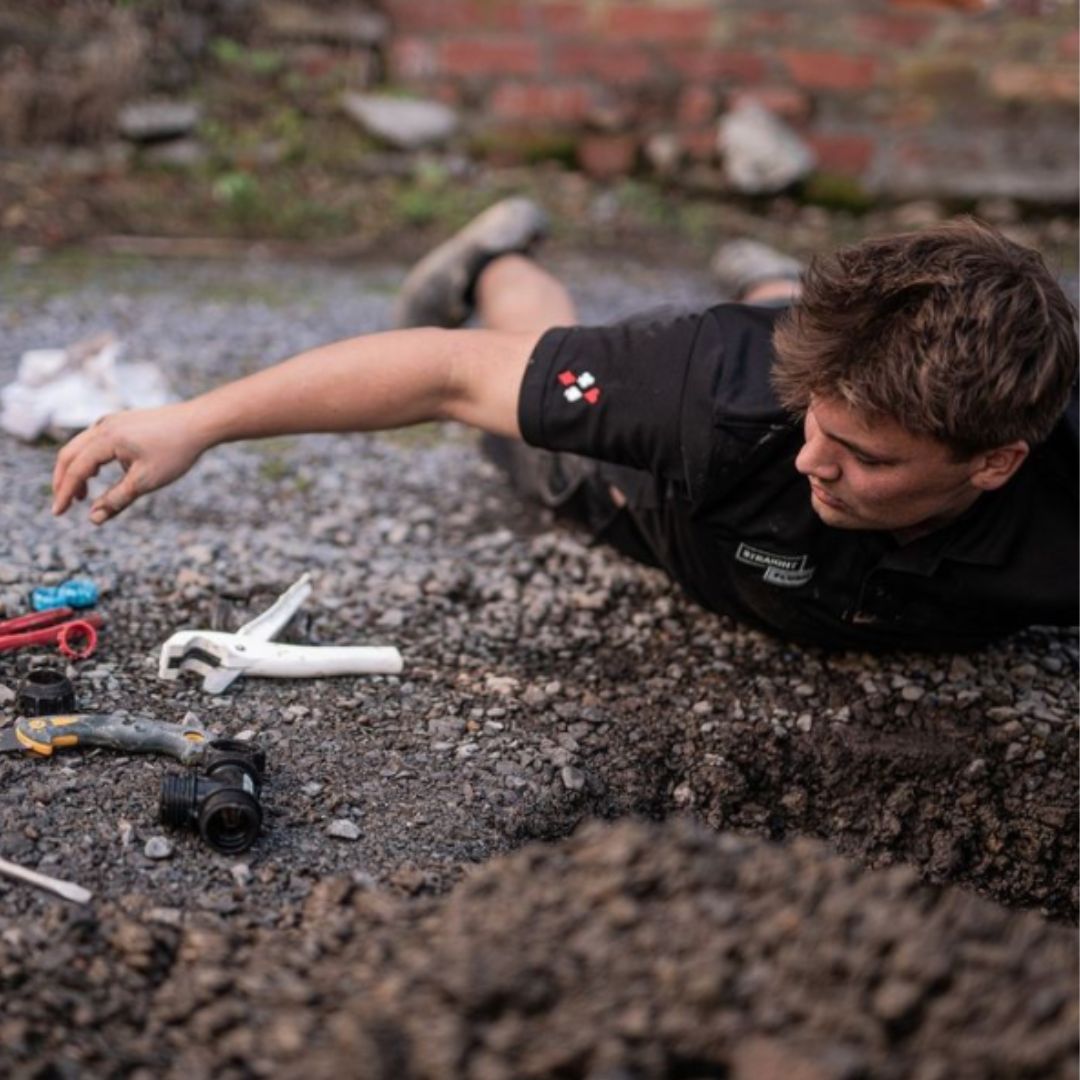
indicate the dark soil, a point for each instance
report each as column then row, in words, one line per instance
column 628, row 951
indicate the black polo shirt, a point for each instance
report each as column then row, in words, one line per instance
column 687, row 404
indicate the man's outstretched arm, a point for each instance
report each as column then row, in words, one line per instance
column 368, row 383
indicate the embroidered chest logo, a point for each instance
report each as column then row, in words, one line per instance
column 789, row 571
column 579, row 387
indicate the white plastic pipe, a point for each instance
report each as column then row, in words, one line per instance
column 75, row 893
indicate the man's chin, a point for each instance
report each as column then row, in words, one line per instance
column 835, row 516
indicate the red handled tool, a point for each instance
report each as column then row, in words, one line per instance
column 76, row 638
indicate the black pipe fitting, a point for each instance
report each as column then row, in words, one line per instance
column 223, row 805
column 45, row 691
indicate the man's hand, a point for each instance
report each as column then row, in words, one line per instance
column 152, row 446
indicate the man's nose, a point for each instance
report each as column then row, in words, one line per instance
column 815, row 460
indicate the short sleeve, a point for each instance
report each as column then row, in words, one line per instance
column 650, row 394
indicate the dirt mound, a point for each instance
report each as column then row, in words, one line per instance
column 626, row 951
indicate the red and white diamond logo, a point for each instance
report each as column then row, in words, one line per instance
column 579, row 387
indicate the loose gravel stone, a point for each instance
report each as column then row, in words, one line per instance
column 343, row 829
column 158, row 847
column 573, row 779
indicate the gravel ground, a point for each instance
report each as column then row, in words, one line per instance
column 547, row 681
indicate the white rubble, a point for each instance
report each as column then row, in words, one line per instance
column 762, row 155
column 60, row 391
column 401, row 122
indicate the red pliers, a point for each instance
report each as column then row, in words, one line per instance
column 76, row 638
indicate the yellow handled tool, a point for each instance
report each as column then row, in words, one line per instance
column 44, row 734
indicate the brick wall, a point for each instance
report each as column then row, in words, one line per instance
column 907, row 97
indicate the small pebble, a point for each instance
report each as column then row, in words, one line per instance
column 343, row 829
column 158, row 847
column 573, row 779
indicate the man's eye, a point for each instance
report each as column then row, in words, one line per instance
column 869, row 463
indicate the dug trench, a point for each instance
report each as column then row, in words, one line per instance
column 810, row 865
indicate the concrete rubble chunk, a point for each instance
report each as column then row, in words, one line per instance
column 150, row 121
column 404, row 123
column 359, row 25
column 762, row 155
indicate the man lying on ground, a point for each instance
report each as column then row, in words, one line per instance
column 890, row 461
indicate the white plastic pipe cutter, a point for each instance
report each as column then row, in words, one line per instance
column 222, row 657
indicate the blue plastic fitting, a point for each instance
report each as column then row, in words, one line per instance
column 76, row 593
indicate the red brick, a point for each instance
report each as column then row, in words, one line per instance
column 850, row 154
column 696, row 105
column 945, row 5
column 766, row 22
column 607, row 156
column 562, row 16
column 412, row 59
column 504, row 15
column 704, row 65
column 900, row 30
column 1069, row 46
column 687, row 23
column 699, row 144
column 540, row 101
column 830, row 70
column 486, row 56
column 609, row 63
column 791, row 104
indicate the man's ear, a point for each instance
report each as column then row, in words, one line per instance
column 996, row 467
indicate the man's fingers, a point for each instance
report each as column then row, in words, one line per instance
column 78, row 470
column 117, row 498
column 68, row 452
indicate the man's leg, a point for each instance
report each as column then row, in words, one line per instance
column 484, row 269
column 514, row 293
column 440, row 289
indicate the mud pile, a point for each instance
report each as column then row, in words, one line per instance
column 625, row 951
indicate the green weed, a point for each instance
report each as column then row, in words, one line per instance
column 258, row 62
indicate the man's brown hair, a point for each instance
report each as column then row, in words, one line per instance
column 954, row 332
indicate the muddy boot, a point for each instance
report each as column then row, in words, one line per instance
column 439, row 289
column 741, row 265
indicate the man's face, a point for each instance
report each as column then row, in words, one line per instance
column 873, row 474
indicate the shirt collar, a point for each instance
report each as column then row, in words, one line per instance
column 982, row 536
